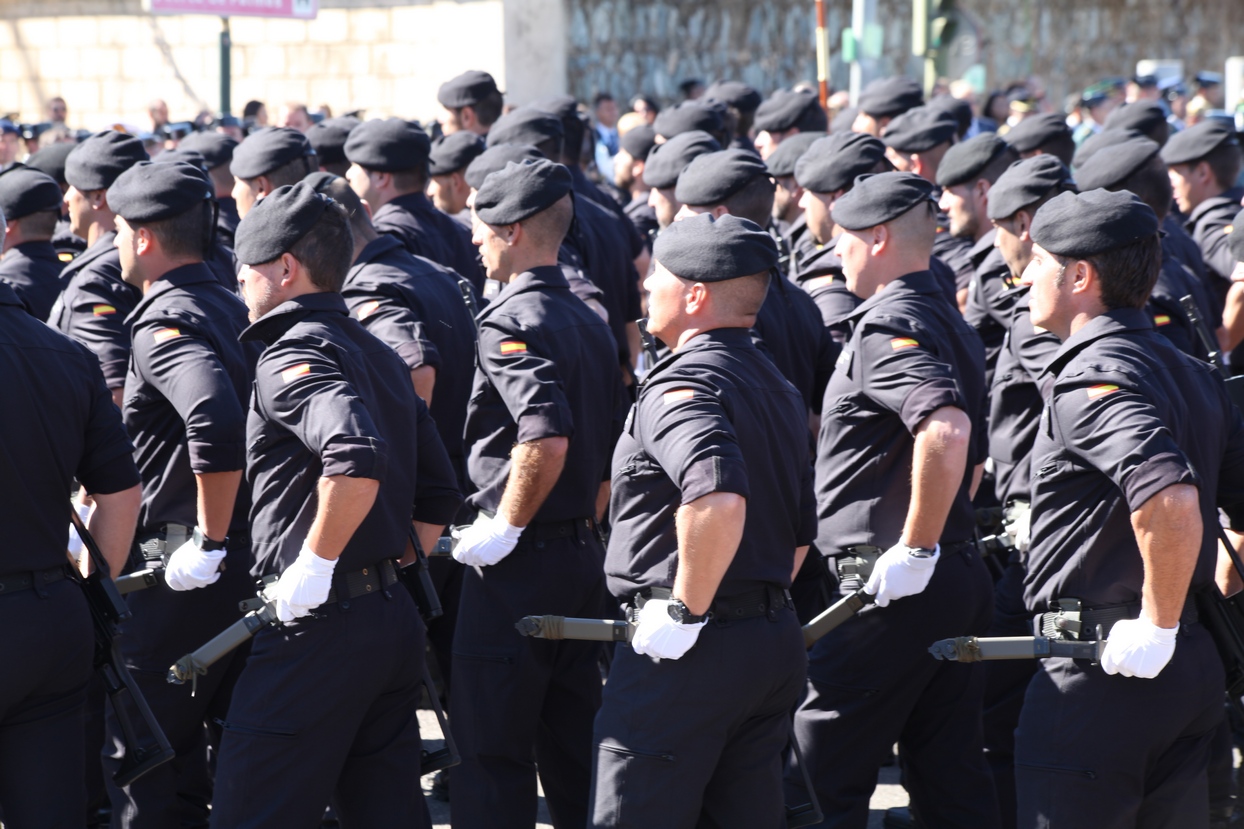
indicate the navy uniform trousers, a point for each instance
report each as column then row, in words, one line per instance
column 518, row 704
column 46, row 652
column 872, row 683
column 700, row 741
column 326, row 709
column 1116, row 752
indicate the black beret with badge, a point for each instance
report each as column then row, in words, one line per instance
column 278, row 221
column 834, row 163
column 329, row 136
column 1026, row 182
column 466, row 90
column 920, row 129
column 215, row 147
column 496, row 158
column 25, row 190
column 712, row 178
column 703, row 249
column 667, row 161
column 963, row 163
column 520, row 191
column 887, row 97
column 1108, row 169
column 786, row 109
column 454, row 152
column 1035, row 131
column 389, row 145
column 881, row 197
column 688, row 117
column 526, row 126
column 152, row 191
column 783, row 159
column 739, row 95
column 1086, row 224
column 268, row 150
column 1198, row 141
column 96, row 162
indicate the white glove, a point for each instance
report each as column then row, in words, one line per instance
column 304, row 585
column 190, row 567
column 1139, row 648
column 659, row 636
column 485, row 542
column 898, row 574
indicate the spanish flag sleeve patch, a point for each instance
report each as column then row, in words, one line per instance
column 513, row 347
column 1101, row 390
column 676, row 395
column 1161, row 319
column 294, row 372
column 899, row 343
column 103, row 310
column 368, row 308
column 162, row 334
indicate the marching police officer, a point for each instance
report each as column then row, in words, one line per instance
column 784, row 114
column 902, row 436
column 470, row 102
column 30, row 201
column 1137, row 447
column 665, row 163
column 266, row 160
column 342, row 455
column 448, row 160
column 1045, row 133
column 51, row 160
column 712, row 512
column 883, row 100
column 328, row 137
column 545, row 410
column 788, row 218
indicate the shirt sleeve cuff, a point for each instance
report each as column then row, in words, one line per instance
column 1154, row 475
column 206, row 458
column 114, row 475
column 439, row 509
column 114, row 372
column 356, row 457
column 927, row 397
column 547, row 420
column 714, row 474
column 415, row 355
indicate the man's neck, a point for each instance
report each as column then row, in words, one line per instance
column 363, row 238
column 517, row 269
column 100, row 226
column 689, row 334
column 164, row 269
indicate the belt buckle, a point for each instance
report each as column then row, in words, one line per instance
column 1065, row 621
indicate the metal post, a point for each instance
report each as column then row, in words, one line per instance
column 226, row 69
column 822, row 53
column 859, row 19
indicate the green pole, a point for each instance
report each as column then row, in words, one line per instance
column 226, row 70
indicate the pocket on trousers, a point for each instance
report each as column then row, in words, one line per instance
column 632, row 787
column 1070, row 771
column 488, row 706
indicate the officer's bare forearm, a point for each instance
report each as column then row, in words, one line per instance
column 218, row 492
column 535, row 467
column 112, row 525
column 424, row 381
column 342, row 504
column 709, row 531
column 1232, row 332
column 428, row 535
column 1228, row 578
column 633, row 341
column 800, row 554
column 939, row 461
column 118, row 397
column 1168, row 531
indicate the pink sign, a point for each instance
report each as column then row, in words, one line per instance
column 304, row 9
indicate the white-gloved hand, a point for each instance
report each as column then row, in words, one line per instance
column 486, row 542
column 304, row 585
column 898, row 574
column 658, row 635
column 190, row 567
column 1139, row 648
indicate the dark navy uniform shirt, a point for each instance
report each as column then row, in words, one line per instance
column 789, row 329
column 416, row 307
column 425, row 231
column 820, row 275
column 227, row 219
column 94, row 304
column 1178, row 245
column 644, row 218
column 186, row 394
column 1209, row 225
column 66, row 243
column 988, row 308
column 715, row 416
column 32, row 270
column 1126, row 416
column 910, row 353
column 57, row 423
column 954, row 251
column 1173, row 284
column 545, row 367
column 799, row 242
column 331, row 399
column 606, row 258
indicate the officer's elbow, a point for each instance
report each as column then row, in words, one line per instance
column 948, row 428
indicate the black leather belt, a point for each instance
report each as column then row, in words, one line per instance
column 25, row 581
column 1070, row 621
column 759, row 601
column 373, row 579
column 549, row 530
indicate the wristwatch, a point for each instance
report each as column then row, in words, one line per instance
column 206, row 544
column 920, row 552
column 680, row 614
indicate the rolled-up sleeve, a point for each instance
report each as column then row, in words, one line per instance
column 529, row 383
column 905, row 375
column 687, row 431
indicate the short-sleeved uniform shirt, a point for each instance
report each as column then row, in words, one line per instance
column 715, row 416
column 57, row 423
column 546, row 366
column 820, row 275
column 1164, row 308
column 1127, row 415
column 988, row 308
column 425, row 231
column 789, row 329
column 32, row 270
column 186, row 394
column 94, row 305
column 910, row 353
column 955, row 251
column 599, row 239
column 331, row 399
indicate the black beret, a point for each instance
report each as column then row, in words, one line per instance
column 666, row 161
column 388, row 145
column 879, row 198
column 51, row 159
column 96, row 162
column 1026, row 182
column 277, row 222
column 890, row 96
column 785, row 109
column 267, row 150
column 191, row 157
column 1106, row 170
column 520, row 191
column 320, row 180
column 1235, row 240
column 639, row 141
column 563, row 106
column 782, row 160
column 1142, row 116
column 733, row 93
column 495, row 158
column 525, row 126
column 844, row 120
column 215, row 147
column 688, row 117
column 712, row 178
column 328, row 137
column 1035, row 131
column 466, row 90
column 704, row 249
column 835, row 162
column 1198, row 141
column 920, row 129
column 152, row 192
column 25, row 190
column 1093, row 222
column 959, row 109
column 454, row 152
column 1099, row 141
column 965, row 162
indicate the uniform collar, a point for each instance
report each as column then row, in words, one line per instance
column 917, row 282
column 102, row 245
column 1230, row 196
column 982, row 248
column 9, row 297
column 37, row 250
column 179, row 277
column 732, row 339
column 545, row 276
column 1112, row 323
column 272, row 326
column 373, row 250
column 411, row 202
column 820, row 263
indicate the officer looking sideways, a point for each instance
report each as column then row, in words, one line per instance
column 901, row 438
column 1138, row 446
column 545, row 410
column 30, row 201
column 342, row 456
column 266, row 160
column 185, row 409
column 712, row 514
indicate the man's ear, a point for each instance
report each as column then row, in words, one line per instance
column 697, row 298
